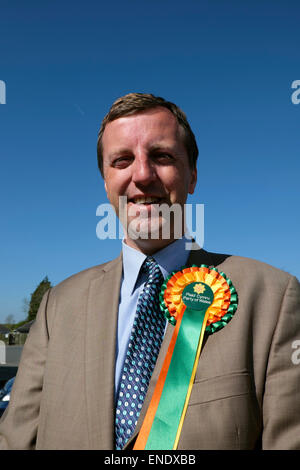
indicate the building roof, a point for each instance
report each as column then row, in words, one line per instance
column 25, row 328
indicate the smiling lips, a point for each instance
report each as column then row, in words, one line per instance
column 145, row 200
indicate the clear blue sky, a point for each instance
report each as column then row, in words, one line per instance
column 228, row 65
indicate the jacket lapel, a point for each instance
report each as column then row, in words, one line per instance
column 101, row 327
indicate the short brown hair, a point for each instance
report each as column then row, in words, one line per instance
column 137, row 102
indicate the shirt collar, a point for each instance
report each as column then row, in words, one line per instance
column 170, row 258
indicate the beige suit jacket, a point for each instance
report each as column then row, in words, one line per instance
column 246, row 393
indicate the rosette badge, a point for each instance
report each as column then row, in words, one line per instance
column 199, row 288
column 195, row 300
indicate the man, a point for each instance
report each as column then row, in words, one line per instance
column 79, row 364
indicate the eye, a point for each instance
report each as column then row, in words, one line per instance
column 122, row 162
column 163, row 158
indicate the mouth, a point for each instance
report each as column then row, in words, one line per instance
column 145, row 200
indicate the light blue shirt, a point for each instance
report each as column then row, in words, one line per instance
column 169, row 259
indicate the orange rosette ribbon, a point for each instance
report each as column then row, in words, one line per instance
column 224, row 303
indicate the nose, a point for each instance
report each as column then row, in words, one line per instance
column 143, row 171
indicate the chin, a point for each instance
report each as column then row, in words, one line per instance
column 154, row 230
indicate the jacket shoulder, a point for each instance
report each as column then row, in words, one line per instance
column 242, row 268
column 81, row 280
column 243, row 265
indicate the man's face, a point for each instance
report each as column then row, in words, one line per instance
column 144, row 159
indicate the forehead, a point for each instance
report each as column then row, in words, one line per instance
column 153, row 126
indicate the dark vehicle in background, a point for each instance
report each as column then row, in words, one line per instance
column 5, row 395
column 9, row 369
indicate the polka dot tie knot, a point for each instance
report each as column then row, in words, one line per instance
column 143, row 348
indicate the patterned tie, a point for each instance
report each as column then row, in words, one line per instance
column 143, row 348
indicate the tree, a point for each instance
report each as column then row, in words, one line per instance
column 9, row 320
column 25, row 306
column 36, row 298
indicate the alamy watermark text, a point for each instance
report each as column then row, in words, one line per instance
column 154, row 221
column 295, row 97
column 2, row 92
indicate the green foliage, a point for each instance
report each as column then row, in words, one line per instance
column 36, row 298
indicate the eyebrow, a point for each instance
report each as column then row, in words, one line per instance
column 117, row 153
column 161, row 146
column 122, row 150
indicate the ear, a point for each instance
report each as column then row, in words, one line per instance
column 193, row 181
